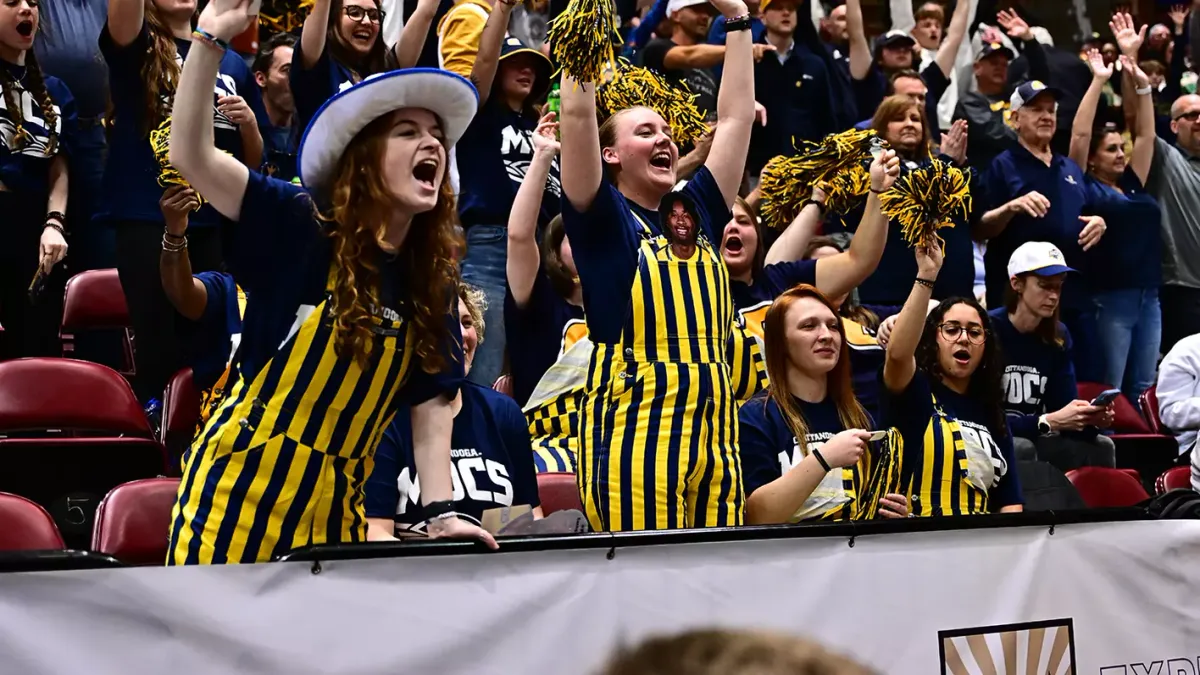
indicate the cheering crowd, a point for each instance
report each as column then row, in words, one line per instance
column 727, row 262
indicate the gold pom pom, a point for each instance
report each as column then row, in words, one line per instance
column 582, row 39
column 927, row 199
column 160, row 142
column 786, row 182
column 628, row 86
column 280, row 16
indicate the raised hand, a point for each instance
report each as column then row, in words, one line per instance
column 885, row 169
column 954, row 142
column 1129, row 38
column 224, row 19
column 1179, row 16
column 929, row 260
column 176, row 203
column 1140, row 78
column 1101, row 71
column 730, row 8
column 1014, row 25
column 545, row 136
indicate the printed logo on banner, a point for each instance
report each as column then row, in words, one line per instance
column 1037, row 648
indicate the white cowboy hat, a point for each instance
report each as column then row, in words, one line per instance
column 451, row 97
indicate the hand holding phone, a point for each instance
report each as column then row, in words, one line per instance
column 1106, row 397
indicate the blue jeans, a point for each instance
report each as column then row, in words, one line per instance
column 1086, row 352
column 1130, row 328
column 484, row 267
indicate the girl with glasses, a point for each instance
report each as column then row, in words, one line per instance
column 942, row 390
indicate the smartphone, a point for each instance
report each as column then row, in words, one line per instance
column 36, row 286
column 877, row 436
column 1105, row 397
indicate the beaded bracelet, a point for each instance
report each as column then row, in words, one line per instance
column 174, row 247
column 209, row 39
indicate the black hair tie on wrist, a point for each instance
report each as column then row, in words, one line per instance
column 824, row 465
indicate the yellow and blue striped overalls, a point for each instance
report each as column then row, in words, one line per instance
column 283, row 461
column 554, row 422
column 939, row 471
column 658, row 446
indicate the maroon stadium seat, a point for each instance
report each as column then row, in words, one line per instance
column 70, row 431
column 558, row 491
column 1174, row 479
column 1149, row 404
column 25, row 526
column 133, row 520
column 1101, row 487
column 180, row 414
column 1138, row 447
column 94, row 300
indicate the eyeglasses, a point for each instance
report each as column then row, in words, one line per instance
column 953, row 331
column 1189, row 116
column 357, row 13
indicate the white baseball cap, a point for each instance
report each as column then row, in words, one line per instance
column 1027, row 91
column 1038, row 257
column 676, row 5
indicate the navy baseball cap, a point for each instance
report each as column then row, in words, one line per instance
column 894, row 38
column 1030, row 90
column 994, row 48
column 513, row 46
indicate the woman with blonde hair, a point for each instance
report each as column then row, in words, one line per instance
column 807, row 444
column 345, row 320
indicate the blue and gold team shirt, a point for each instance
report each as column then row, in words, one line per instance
column 26, row 170
column 490, row 457
column 771, row 282
column 957, row 464
column 282, row 258
column 219, row 330
column 131, row 190
column 1038, row 377
column 606, row 240
column 312, row 87
column 492, row 157
column 769, row 450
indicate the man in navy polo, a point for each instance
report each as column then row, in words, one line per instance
column 1034, row 194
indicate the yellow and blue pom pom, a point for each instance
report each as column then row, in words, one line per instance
column 160, row 142
column 628, row 86
column 786, row 182
column 583, row 37
column 926, row 200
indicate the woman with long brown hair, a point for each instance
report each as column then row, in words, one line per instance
column 346, row 319
column 806, row 441
column 145, row 42
column 37, row 122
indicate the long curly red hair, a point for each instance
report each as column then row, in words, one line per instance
column 360, row 206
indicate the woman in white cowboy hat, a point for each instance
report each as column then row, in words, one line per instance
column 344, row 323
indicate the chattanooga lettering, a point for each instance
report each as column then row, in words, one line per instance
column 475, row 477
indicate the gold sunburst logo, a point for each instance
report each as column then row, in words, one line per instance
column 1041, row 648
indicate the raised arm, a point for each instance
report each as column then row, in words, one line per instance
column 488, row 56
column 312, row 36
column 412, row 37
column 1085, row 115
column 581, row 167
column 524, row 259
column 125, row 19
column 841, row 273
column 218, row 177
column 186, row 293
column 735, row 106
column 947, row 53
column 902, row 15
column 901, row 362
column 860, row 49
column 1144, row 134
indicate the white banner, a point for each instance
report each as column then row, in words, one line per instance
column 1094, row 599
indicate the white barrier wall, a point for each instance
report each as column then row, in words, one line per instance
column 1109, row 599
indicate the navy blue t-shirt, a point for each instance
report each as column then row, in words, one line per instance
column 535, row 333
column 605, row 241
column 491, row 461
column 27, row 170
column 1038, row 377
column 768, row 447
column 219, row 329
column 1014, row 173
column 312, row 87
column 910, row 412
column 892, row 280
column 866, row 359
column 772, row 281
column 281, row 258
column 131, row 190
column 1129, row 255
column 70, row 51
column 796, row 93
column 493, row 156
column 279, row 150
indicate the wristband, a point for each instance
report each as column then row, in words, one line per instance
column 820, row 207
column 210, row 39
column 439, row 510
column 738, row 23
column 1143, row 91
column 924, row 282
column 877, row 192
column 824, row 465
